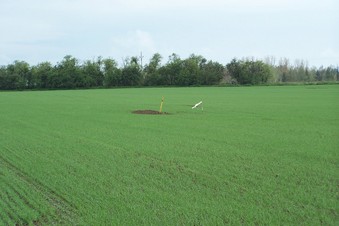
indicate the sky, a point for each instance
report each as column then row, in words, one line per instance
column 36, row 31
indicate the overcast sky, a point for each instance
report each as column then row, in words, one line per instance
column 47, row 30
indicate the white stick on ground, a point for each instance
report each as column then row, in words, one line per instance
column 197, row 105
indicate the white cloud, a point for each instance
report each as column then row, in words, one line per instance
column 133, row 42
column 120, row 6
column 145, row 41
column 330, row 54
column 4, row 59
column 217, row 29
column 151, row 5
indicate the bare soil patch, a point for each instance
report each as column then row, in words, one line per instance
column 149, row 112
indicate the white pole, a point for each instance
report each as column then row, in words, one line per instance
column 197, row 105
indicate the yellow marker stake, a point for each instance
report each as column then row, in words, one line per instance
column 162, row 101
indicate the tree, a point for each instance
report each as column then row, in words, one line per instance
column 234, row 68
column 19, row 75
column 318, row 75
column 283, row 70
column 131, row 73
column 4, row 84
column 111, row 72
column 170, row 73
column 68, row 74
column 330, row 74
column 211, row 73
column 249, row 71
column 151, row 71
column 194, row 70
column 259, row 72
column 41, row 74
column 190, row 71
column 93, row 75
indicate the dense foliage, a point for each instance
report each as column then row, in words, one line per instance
column 249, row 72
column 70, row 73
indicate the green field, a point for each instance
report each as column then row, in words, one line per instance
column 254, row 155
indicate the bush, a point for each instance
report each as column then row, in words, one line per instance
column 249, row 72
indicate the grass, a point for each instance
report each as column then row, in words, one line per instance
column 255, row 155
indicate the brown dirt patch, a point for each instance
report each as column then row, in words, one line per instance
column 149, row 112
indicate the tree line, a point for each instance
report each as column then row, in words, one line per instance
column 195, row 70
